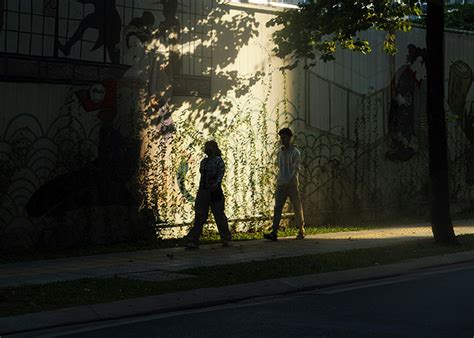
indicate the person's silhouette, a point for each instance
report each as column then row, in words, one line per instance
column 210, row 196
column 106, row 20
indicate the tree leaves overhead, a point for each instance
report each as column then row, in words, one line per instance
column 317, row 28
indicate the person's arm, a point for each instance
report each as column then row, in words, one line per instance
column 279, row 178
column 220, row 170
column 202, row 179
column 296, row 164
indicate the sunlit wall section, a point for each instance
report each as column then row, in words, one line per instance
column 249, row 101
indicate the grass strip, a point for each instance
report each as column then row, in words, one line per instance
column 34, row 298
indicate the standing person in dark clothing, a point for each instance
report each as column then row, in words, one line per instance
column 210, row 195
column 289, row 160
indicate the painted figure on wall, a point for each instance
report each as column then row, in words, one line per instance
column 140, row 49
column 407, row 112
column 141, row 28
column 169, row 30
column 100, row 182
column 149, row 57
column 106, row 20
column 460, row 80
column 146, row 53
column 160, row 116
column 2, row 9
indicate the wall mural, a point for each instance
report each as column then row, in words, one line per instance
column 345, row 178
column 101, row 181
column 170, row 30
column 121, row 155
column 106, row 20
column 72, row 182
column 2, row 9
column 460, row 81
column 407, row 107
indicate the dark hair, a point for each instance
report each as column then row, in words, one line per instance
column 148, row 19
column 213, row 145
column 285, row 131
column 142, row 35
column 415, row 52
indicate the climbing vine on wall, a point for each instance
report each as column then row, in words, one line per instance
column 246, row 135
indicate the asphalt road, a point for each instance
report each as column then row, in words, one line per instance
column 436, row 303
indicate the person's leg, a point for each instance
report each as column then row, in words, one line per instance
column 218, row 210
column 201, row 211
column 295, row 199
column 281, row 194
column 87, row 22
column 113, row 40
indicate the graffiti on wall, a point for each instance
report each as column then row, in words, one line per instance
column 362, row 170
column 170, row 31
column 407, row 106
column 101, row 181
column 84, row 191
column 111, row 191
column 460, row 81
column 2, row 9
column 121, row 146
column 68, row 182
column 102, row 31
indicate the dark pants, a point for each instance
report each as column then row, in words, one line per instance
column 215, row 201
column 290, row 190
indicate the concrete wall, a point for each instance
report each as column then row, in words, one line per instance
column 102, row 129
column 101, row 134
column 371, row 167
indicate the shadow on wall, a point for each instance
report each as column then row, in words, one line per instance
column 169, row 174
column 94, row 175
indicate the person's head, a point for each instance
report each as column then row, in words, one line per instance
column 285, row 136
column 211, row 149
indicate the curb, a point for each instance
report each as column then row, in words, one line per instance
column 218, row 296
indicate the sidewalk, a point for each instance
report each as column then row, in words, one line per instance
column 163, row 264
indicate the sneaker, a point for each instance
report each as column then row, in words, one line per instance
column 191, row 245
column 271, row 236
column 300, row 235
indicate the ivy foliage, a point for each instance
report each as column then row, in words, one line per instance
column 317, row 28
